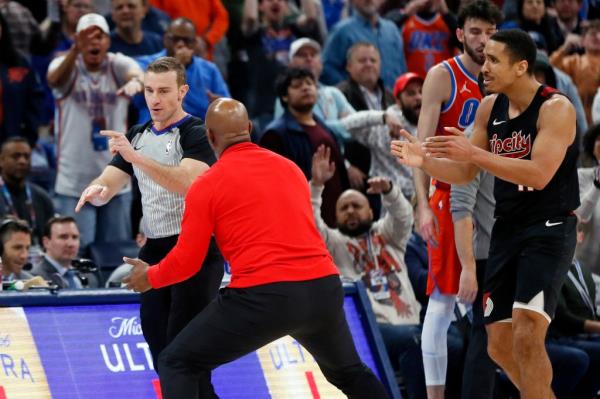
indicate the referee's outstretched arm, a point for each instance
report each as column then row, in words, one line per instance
column 103, row 188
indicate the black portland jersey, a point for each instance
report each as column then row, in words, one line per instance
column 514, row 138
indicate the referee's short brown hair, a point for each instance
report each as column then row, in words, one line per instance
column 166, row 64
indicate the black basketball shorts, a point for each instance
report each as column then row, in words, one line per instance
column 527, row 266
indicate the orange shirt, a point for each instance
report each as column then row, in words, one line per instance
column 426, row 42
column 209, row 16
column 585, row 72
column 257, row 205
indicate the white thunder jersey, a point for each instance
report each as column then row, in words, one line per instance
column 88, row 98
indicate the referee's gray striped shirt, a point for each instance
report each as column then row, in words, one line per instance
column 163, row 209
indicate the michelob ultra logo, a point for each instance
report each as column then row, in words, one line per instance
column 21, row 373
column 292, row 372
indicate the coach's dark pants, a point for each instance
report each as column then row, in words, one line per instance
column 164, row 312
column 241, row 320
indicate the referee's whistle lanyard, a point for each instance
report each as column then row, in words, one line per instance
column 11, row 206
column 581, row 286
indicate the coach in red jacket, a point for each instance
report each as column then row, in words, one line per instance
column 284, row 282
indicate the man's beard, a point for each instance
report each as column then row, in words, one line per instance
column 359, row 230
column 411, row 115
column 475, row 56
column 302, row 108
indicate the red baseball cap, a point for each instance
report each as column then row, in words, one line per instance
column 403, row 80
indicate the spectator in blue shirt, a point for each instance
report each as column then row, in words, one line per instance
column 155, row 20
column 128, row 37
column 365, row 26
column 203, row 77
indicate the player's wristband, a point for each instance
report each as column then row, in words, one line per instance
column 597, row 183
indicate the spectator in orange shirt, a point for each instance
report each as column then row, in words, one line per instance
column 428, row 30
column 209, row 16
column 584, row 68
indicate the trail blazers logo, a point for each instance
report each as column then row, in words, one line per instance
column 488, row 305
column 517, row 145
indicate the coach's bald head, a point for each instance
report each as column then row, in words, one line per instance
column 227, row 123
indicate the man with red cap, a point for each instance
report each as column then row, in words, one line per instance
column 407, row 95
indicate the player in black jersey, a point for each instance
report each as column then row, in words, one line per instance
column 524, row 135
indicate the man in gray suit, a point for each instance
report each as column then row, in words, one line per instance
column 15, row 239
column 61, row 244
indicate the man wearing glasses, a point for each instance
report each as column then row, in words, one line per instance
column 203, row 77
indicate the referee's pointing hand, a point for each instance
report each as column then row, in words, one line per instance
column 137, row 280
column 118, row 143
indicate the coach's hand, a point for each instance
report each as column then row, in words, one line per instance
column 137, row 280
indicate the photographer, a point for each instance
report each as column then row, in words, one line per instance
column 61, row 244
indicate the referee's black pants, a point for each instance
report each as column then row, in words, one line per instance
column 164, row 312
column 241, row 320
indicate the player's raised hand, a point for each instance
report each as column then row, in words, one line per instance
column 408, row 151
column 455, row 146
column 322, row 168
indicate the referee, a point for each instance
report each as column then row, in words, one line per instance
column 166, row 155
column 283, row 280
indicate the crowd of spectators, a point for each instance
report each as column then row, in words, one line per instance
column 328, row 84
